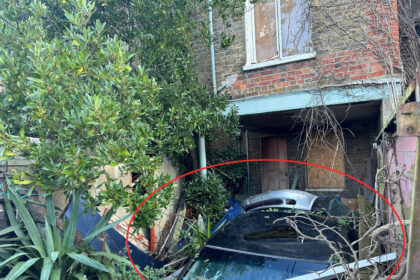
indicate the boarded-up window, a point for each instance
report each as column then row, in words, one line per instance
column 328, row 152
column 266, row 30
column 281, row 29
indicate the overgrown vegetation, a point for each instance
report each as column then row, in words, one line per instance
column 86, row 85
column 207, row 196
column 120, row 93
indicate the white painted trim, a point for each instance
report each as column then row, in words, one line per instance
column 249, row 33
column 278, row 29
column 279, row 61
column 333, row 272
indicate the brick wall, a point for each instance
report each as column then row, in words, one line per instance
column 350, row 43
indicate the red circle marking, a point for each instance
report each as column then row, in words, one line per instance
column 256, row 160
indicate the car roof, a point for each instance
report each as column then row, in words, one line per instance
column 256, row 233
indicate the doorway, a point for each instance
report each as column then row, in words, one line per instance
column 274, row 174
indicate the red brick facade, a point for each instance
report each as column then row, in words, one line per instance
column 342, row 66
column 351, row 40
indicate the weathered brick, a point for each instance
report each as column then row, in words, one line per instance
column 338, row 57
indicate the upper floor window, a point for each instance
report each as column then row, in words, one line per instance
column 277, row 31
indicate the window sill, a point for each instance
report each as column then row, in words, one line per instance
column 278, row 61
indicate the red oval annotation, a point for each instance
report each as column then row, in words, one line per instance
column 270, row 160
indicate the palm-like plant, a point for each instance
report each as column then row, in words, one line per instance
column 35, row 254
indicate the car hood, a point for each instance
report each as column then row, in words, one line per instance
column 256, row 233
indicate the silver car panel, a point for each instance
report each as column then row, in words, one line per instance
column 293, row 199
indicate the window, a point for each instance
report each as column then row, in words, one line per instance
column 277, row 31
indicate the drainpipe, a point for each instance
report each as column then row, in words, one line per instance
column 201, row 140
column 247, row 164
column 213, row 63
column 202, row 151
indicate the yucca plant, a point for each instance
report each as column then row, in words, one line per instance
column 197, row 234
column 34, row 253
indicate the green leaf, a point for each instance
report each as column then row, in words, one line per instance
column 26, row 277
column 23, row 239
column 23, row 182
column 105, row 219
column 35, row 80
column 8, row 245
column 49, row 243
column 88, row 261
column 124, row 153
column 54, row 256
column 46, row 268
column 50, row 210
column 9, row 153
column 96, row 232
column 15, row 256
column 20, row 268
column 28, row 221
column 51, row 219
column 70, row 230
column 10, row 229
column 22, row 133
column 56, row 273
column 13, row 221
column 112, row 256
column 80, row 276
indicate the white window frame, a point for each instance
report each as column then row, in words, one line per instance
column 251, row 55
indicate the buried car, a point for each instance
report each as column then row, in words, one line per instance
column 261, row 243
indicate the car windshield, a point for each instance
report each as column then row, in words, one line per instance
column 214, row 264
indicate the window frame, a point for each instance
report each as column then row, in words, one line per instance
column 251, row 56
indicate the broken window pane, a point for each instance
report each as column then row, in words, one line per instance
column 294, row 27
column 265, row 30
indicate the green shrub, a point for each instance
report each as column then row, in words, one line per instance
column 79, row 92
column 207, row 196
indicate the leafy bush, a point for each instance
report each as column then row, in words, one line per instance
column 207, row 196
column 46, row 252
column 77, row 90
column 237, row 172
